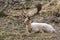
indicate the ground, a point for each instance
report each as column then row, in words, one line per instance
column 13, row 28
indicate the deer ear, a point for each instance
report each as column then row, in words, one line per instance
column 24, row 16
column 29, row 18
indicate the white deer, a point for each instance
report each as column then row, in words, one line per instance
column 38, row 27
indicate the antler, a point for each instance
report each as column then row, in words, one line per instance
column 25, row 14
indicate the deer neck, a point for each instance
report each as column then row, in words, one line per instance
column 28, row 26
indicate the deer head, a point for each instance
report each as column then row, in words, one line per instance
column 27, row 20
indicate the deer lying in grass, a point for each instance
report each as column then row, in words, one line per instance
column 38, row 27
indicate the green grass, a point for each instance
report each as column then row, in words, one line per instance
column 28, row 3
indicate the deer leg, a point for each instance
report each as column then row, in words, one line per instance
column 28, row 31
column 42, row 32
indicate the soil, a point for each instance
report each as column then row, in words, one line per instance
column 13, row 28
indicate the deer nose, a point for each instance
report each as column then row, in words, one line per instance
column 24, row 22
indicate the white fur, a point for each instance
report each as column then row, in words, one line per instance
column 42, row 26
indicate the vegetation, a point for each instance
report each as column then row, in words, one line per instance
column 12, row 16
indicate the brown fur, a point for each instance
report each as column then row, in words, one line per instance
column 28, row 24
